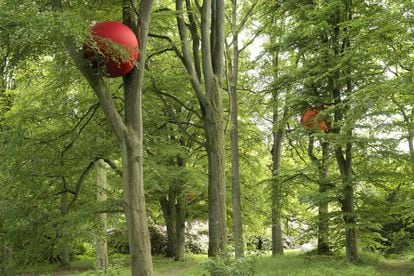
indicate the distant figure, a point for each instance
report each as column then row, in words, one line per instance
column 260, row 244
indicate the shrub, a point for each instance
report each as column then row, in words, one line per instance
column 229, row 266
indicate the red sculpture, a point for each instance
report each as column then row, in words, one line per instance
column 312, row 120
column 113, row 47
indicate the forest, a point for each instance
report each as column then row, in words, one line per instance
column 207, row 137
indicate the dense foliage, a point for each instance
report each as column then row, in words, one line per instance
column 354, row 60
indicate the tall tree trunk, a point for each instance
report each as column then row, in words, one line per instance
column 277, row 239
column 208, row 92
column 134, row 208
column 169, row 212
column 351, row 242
column 65, row 248
column 344, row 161
column 102, row 261
column 128, row 130
column 323, row 203
column 180, row 227
column 174, row 210
column 278, row 135
column 235, row 163
column 323, row 200
column 216, row 179
column 180, row 209
column 343, row 153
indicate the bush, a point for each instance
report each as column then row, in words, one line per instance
column 228, row 266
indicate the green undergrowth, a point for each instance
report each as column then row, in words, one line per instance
column 291, row 263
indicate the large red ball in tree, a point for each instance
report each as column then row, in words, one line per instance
column 113, row 47
column 312, row 120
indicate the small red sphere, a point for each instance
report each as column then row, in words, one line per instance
column 312, row 120
column 113, row 46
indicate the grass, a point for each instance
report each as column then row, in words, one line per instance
column 291, row 263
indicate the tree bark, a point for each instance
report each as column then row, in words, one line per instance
column 323, row 204
column 235, row 163
column 323, row 200
column 102, row 261
column 128, row 130
column 277, row 240
column 343, row 153
column 216, row 189
column 180, row 209
column 169, row 211
column 208, row 92
column 351, row 242
column 64, row 255
column 278, row 133
column 344, row 161
column 180, row 227
column 134, row 207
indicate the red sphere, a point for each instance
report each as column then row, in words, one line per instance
column 312, row 120
column 113, row 47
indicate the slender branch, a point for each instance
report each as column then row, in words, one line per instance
column 95, row 81
column 188, row 63
column 246, row 17
column 295, row 149
column 80, row 181
column 173, row 46
column 160, row 52
column 172, row 114
column 180, row 102
column 195, row 38
column 111, row 164
column 249, row 42
column 186, row 123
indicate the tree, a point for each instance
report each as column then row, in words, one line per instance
column 101, row 246
column 208, row 92
column 233, row 53
column 322, row 166
column 128, row 130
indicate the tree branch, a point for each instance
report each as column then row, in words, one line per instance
column 95, row 81
column 188, row 63
column 195, row 38
column 172, row 114
column 80, row 181
column 173, row 46
column 180, row 102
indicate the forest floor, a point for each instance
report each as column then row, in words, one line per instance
column 291, row 264
column 399, row 267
